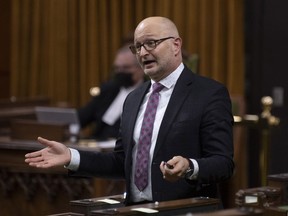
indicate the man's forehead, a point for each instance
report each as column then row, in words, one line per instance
column 148, row 30
column 146, row 35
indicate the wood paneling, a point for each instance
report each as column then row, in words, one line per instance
column 5, row 14
column 63, row 47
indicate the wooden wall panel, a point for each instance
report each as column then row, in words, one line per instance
column 5, row 23
column 63, row 47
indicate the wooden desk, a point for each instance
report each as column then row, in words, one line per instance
column 18, row 108
column 14, row 102
column 276, row 211
column 233, row 212
column 281, row 181
column 68, row 214
column 166, row 208
column 31, row 129
column 259, row 197
column 25, row 190
column 85, row 206
column 9, row 114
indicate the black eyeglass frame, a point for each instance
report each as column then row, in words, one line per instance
column 136, row 49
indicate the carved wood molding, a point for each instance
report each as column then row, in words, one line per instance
column 52, row 184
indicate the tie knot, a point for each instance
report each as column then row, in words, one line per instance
column 157, row 87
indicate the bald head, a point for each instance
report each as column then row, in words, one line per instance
column 157, row 46
column 157, row 24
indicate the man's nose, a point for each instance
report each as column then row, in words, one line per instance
column 143, row 51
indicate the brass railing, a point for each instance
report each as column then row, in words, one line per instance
column 264, row 122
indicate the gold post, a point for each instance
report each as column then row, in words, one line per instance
column 266, row 122
column 263, row 122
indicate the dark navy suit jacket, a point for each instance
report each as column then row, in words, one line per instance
column 197, row 124
column 94, row 110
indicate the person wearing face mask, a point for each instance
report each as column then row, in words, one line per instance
column 104, row 109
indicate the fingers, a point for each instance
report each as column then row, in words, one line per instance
column 39, row 153
column 35, row 159
column 41, row 164
column 34, row 154
column 167, row 172
column 162, row 167
column 173, row 169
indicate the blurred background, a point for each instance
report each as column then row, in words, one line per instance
column 59, row 49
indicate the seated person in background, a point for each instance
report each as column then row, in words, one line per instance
column 105, row 109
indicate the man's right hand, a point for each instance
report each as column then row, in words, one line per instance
column 55, row 154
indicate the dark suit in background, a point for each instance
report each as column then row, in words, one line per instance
column 94, row 110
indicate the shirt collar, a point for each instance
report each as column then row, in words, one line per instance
column 171, row 80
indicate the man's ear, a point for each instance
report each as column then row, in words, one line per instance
column 177, row 46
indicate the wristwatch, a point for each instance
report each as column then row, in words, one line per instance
column 190, row 171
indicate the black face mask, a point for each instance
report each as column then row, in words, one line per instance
column 124, row 79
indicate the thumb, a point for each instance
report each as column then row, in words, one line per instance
column 44, row 142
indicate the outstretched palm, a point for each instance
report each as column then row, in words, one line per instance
column 55, row 154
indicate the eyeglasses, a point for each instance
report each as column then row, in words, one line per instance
column 148, row 45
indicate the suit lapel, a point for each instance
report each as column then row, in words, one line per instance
column 179, row 94
column 133, row 110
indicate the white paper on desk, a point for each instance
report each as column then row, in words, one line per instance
column 106, row 144
column 145, row 210
column 109, row 201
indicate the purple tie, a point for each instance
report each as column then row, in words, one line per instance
column 142, row 158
